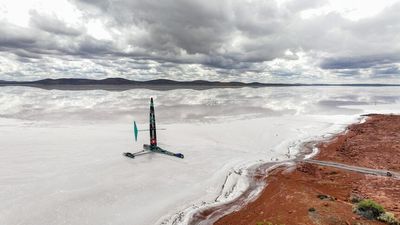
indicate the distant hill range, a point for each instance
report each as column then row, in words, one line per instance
column 159, row 84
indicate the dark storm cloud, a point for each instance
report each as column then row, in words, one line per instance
column 24, row 42
column 365, row 43
column 389, row 70
column 91, row 46
column 347, row 72
column 26, row 55
column 236, row 34
column 226, row 37
column 52, row 24
column 200, row 32
column 386, row 71
column 50, row 38
column 359, row 62
column 14, row 37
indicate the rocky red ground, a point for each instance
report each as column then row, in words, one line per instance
column 311, row 194
column 373, row 144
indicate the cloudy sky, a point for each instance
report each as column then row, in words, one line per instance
column 312, row 41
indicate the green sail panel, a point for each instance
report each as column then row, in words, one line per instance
column 135, row 130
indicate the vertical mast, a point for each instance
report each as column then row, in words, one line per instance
column 153, row 137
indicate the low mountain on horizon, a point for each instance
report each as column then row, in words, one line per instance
column 157, row 84
column 123, row 81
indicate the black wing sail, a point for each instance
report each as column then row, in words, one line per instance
column 153, row 139
column 153, row 136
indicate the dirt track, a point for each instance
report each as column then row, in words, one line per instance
column 376, row 172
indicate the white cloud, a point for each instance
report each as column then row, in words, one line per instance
column 358, row 9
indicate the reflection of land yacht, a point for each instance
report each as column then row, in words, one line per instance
column 153, row 138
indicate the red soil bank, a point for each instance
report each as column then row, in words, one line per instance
column 291, row 196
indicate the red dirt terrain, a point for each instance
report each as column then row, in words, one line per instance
column 313, row 194
column 372, row 144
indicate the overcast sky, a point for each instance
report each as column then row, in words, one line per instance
column 312, row 41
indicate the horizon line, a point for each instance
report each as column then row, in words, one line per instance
column 210, row 82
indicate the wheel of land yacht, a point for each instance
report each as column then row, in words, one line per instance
column 179, row 155
column 128, row 154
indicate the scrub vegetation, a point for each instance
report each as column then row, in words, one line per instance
column 372, row 210
column 388, row 218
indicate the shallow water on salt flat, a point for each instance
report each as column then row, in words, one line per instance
column 60, row 151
